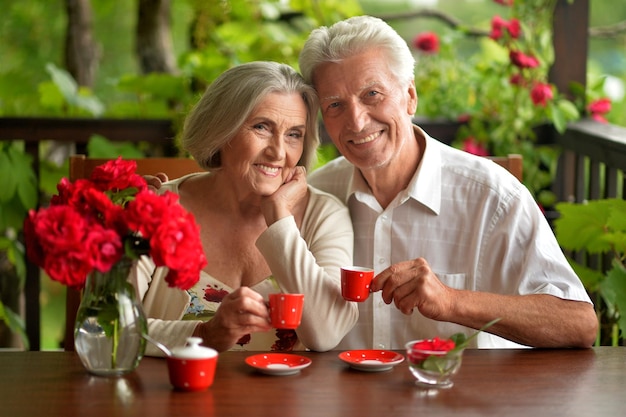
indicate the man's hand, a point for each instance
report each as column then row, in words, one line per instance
column 411, row 284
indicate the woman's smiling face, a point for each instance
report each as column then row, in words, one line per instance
column 268, row 146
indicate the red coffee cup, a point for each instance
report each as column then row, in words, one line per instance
column 355, row 282
column 286, row 310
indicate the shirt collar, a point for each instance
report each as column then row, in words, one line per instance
column 424, row 187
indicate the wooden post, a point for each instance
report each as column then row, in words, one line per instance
column 570, row 40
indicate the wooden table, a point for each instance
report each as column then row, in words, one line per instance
column 490, row 382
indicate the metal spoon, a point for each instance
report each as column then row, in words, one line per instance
column 160, row 345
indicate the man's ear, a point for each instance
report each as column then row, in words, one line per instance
column 412, row 99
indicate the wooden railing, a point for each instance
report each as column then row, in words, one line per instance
column 593, row 163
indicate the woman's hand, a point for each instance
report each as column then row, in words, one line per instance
column 241, row 312
column 290, row 198
column 155, row 181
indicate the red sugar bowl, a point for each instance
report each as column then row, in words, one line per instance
column 192, row 367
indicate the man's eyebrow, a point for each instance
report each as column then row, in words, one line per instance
column 327, row 98
column 362, row 88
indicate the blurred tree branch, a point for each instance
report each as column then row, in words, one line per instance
column 610, row 31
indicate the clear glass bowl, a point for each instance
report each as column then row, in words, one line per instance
column 433, row 369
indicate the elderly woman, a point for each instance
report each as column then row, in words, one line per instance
column 263, row 228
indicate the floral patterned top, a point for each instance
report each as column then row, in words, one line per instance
column 206, row 296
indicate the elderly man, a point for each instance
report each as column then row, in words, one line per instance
column 455, row 240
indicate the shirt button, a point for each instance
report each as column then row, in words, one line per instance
column 381, row 261
column 381, row 346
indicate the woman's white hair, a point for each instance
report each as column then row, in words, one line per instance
column 228, row 102
column 351, row 37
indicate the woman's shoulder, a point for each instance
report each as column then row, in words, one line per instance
column 322, row 199
column 175, row 184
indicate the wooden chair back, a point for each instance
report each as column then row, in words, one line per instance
column 512, row 162
column 81, row 167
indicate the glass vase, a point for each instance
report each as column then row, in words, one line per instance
column 110, row 323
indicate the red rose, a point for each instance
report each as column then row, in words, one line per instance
column 104, row 247
column 146, row 211
column 472, row 146
column 72, row 194
column 518, row 79
column 425, row 348
column 497, row 24
column 521, row 60
column 541, row 94
column 514, row 28
column 117, row 174
column 176, row 244
column 69, row 269
column 59, row 228
column 600, row 106
column 434, row 345
column 427, row 42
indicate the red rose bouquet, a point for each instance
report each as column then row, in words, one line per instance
column 93, row 223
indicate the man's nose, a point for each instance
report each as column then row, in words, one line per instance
column 356, row 117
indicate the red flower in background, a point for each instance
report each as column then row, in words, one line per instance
column 504, row 2
column 541, row 94
column 515, row 28
column 427, row 42
column 518, row 79
column 499, row 25
column 472, row 146
column 521, row 60
column 598, row 108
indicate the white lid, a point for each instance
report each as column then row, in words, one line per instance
column 193, row 350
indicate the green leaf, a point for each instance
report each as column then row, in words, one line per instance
column 22, row 168
column 50, row 97
column 614, row 291
column 15, row 323
column 9, row 180
column 568, row 109
column 101, row 147
column 64, row 81
column 583, row 225
column 591, row 278
column 557, row 117
column 617, row 215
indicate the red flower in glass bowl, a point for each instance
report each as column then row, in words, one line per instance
column 433, row 362
column 91, row 224
column 421, row 349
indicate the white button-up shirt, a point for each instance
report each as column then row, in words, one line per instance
column 476, row 225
